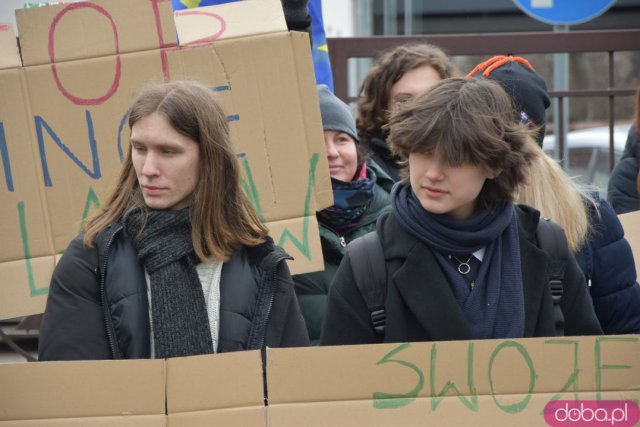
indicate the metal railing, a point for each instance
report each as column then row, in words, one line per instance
column 610, row 41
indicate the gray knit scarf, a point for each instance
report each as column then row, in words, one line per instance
column 178, row 308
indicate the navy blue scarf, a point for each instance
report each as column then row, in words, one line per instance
column 350, row 201
column 495, row 307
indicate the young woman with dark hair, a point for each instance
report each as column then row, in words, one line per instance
column 462, row 260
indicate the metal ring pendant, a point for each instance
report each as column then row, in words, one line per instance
column 464, row 268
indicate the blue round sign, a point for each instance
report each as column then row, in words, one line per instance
column 564, row 12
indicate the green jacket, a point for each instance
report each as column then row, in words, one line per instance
column 312, row 288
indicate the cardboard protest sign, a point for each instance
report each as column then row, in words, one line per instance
column 210, row 23
column 492, row 382
column 104, row 393
column 631, row 225
column 222, row 390
column 9, row 53
column 63, row 133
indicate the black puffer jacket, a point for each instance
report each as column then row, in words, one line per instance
column 98, row 305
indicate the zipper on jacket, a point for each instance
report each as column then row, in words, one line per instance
column 103, row 294
column 343, row 242
column 274, row 277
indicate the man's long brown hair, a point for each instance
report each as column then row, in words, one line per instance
column 222, row 217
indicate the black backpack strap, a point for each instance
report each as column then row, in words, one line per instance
column 553, row 241
column 370, row 273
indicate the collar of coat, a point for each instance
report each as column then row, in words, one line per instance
column 437, row 311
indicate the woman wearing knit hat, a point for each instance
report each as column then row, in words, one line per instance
column 593, row 230
column 462, row 260
column 361, row 193
column 398, row 75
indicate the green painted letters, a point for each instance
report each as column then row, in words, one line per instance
column 303, row 246
column 572, row 381
column 382, row 400
column 436, row 398
column 520, row 406
column 92, row 200
column 598, row 358
column 34, row 291
column 250, row 189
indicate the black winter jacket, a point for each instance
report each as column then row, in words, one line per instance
column 98, row 307
column 420, row 305
column 382, row 156
column 312, row 288
column 622, row 190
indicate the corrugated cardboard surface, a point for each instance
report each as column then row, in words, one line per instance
column 116, row 421
column 449, row 412
column 200, row 385
column 83, row 390
column 222, row 390
column 64, row 132
column 9, row 54
column 210, row 23
column 631, row 224
column 92, row 29
column 493, row 382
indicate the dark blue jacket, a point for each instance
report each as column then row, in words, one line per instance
column 608, row 266
column 622, row 191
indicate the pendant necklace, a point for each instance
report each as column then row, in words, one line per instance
column 463, row 266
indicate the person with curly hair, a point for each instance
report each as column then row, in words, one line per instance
column 398, row 75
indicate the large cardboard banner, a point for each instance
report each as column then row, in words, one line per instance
column 63, row 133
column 223, row 390
column 9, row 52
column 520, row 382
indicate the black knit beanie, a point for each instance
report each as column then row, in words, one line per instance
column 336, row 115
column 527, row 89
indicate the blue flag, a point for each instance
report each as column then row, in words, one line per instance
column 190, row 4
column 321, row 63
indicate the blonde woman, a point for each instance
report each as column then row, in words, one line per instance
column 596, row 238
column 593, row 230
